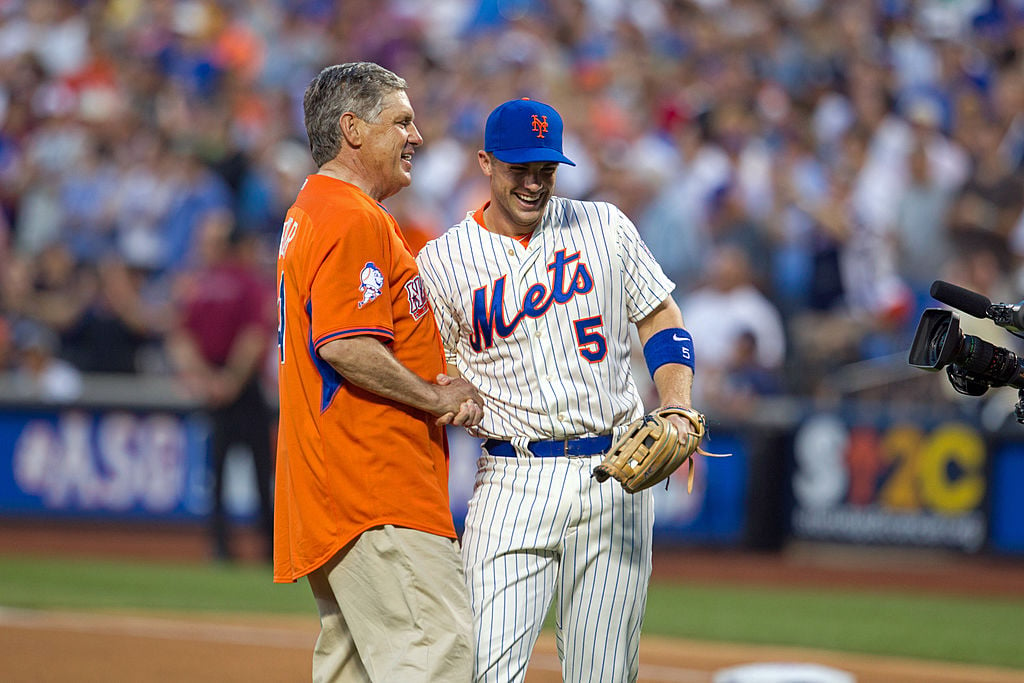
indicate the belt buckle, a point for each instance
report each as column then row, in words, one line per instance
column 567, row 451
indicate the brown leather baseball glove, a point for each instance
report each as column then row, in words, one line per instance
column 652, row 449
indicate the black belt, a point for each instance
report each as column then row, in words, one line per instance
column 553, row 448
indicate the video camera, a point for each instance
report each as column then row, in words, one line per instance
column 972, row 364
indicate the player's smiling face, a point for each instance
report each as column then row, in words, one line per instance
column 390, row 145
column 519, row 193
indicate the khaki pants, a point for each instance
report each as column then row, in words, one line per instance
column 393, row 607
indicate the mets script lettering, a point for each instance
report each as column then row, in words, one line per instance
column 488, row 317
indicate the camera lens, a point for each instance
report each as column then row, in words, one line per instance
column 936, row 341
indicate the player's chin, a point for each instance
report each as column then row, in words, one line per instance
column 403, row 178
column 531, row 214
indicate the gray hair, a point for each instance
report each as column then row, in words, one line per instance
column 357, row 87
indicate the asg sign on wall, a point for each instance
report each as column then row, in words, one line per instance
column 103, row 463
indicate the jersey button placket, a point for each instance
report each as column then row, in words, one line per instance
column 545, row 368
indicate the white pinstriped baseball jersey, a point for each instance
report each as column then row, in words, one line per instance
column 543, row 332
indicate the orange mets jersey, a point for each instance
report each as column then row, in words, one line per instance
column 348, row 459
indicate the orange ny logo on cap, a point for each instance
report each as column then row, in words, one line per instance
column 540, row 125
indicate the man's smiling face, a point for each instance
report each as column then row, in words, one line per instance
column 391, row 143
column 519, row 192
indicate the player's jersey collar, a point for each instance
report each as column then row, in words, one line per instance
column 478, row 216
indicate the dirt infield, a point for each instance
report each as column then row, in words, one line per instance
column 141, row 647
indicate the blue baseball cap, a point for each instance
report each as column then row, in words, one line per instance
column 523, row 131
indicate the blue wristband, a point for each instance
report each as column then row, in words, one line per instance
column 672, row 345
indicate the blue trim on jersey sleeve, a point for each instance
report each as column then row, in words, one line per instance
column 387, row 334
column 671, row 345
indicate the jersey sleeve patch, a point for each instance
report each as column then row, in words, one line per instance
column 371, row 283
column 417, row 295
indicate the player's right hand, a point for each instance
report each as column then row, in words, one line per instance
column 458, row 402
column 470, row 413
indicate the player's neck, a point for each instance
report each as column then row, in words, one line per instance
column 494, row 221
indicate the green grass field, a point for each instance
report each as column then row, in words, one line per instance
column 981, row 631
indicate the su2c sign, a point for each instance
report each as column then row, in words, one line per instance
column 898, row 484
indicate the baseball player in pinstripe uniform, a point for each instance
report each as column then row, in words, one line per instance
column 534, row 295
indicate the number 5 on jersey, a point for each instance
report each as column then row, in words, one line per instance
column 592, row 344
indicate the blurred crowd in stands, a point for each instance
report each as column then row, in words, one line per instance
column 803, row 169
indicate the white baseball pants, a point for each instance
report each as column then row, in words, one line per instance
column 537, row 527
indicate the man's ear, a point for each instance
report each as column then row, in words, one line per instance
column 351, row 129
column 484, row 160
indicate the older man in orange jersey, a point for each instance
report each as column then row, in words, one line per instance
column 361, row 503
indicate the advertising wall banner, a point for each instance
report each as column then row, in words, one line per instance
column 151, row 465
column 886, row 482
column 1006, row 532
column 136, row 465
